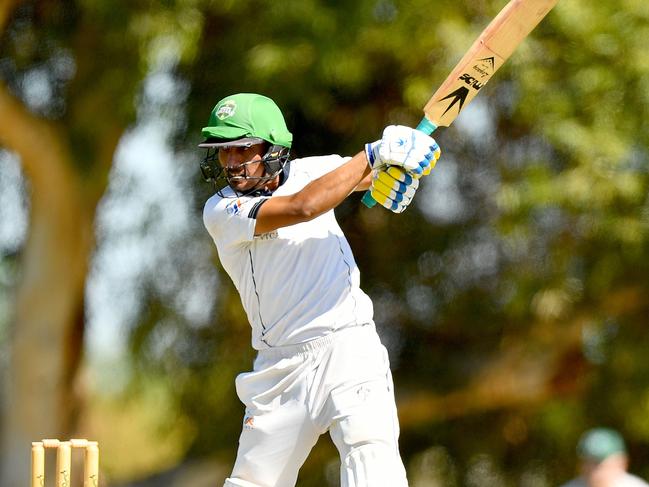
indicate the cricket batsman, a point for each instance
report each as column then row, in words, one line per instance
column 320, row 365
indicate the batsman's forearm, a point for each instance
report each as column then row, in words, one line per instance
column 330, row 190
column 315, row 198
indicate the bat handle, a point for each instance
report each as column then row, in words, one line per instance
column 425, row 126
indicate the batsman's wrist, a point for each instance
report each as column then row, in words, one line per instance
column 372, row 153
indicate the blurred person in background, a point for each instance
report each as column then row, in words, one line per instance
column 603, row 461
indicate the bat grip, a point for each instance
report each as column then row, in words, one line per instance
column 425, row 126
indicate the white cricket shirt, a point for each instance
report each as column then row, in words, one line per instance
column 296, row 283
column 623, row 480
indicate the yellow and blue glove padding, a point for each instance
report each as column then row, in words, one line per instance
column 433, row 157
column 393, row 188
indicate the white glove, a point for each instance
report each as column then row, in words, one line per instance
column 403, row 146
column 393, row 188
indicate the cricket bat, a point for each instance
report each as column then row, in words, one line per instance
column 487, row 54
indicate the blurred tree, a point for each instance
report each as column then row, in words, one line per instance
column 513, row 298
column 70, row 72
column 508, row 292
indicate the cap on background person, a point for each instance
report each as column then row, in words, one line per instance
column 598, row 444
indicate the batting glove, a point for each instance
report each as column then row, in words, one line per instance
column 393, row 188
column 403, row 146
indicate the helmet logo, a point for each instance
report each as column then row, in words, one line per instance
column 226, row 110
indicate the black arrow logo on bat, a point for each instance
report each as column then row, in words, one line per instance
column 458, row 95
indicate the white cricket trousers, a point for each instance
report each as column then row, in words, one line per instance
column 340, row 383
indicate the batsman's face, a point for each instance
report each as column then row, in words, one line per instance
column 243, row 165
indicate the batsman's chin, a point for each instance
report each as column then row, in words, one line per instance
column 240, row 184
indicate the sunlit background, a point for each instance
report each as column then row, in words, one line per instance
column 512, row 297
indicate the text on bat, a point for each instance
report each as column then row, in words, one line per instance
column 471, row 81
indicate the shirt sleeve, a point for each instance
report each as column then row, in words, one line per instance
column 230, row 221
column 319, row 166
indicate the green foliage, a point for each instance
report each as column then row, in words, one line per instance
column 531, row 227
column 552, row 229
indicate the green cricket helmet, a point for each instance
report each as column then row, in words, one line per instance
column 243, row 120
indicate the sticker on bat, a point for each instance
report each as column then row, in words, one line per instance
column 485, row 66
column 471, row 81
column 459, row 96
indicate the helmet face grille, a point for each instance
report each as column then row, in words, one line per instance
column 274, row 161
column 212, row 171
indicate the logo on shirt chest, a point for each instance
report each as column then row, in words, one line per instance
column 234, row 207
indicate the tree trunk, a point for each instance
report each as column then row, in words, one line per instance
column 47, row 325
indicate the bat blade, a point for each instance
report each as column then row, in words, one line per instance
column 487, row 54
